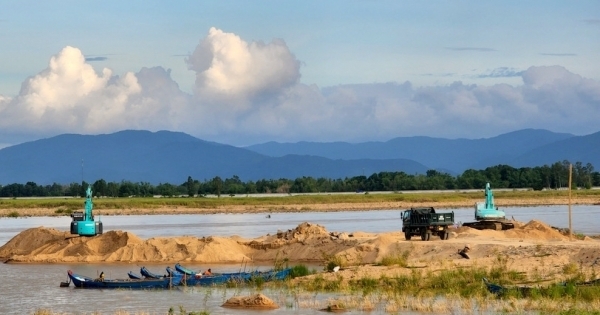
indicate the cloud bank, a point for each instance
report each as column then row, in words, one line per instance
column 250, row 92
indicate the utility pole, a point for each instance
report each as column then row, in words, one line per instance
column 570, row 179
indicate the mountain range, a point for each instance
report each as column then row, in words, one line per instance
column 170, row 157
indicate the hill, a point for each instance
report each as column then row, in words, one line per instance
column 585, row 149
column 166, row 157
column 452, row 155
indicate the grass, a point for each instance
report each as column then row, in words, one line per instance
column 400, row 290
column 302, row 200
column 398, row 259
column 449, row 291
column 299, row 271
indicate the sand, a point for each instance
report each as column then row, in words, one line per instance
column 256, row 301
column 532, row 247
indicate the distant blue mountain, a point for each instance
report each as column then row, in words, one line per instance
column 584, row 149
column 451, row 155
column 167, row 157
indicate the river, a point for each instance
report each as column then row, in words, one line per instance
column 27, row 287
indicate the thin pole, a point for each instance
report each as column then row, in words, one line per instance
column 570, row 179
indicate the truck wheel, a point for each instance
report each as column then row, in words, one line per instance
column 427, row 236
column 423, row 234
column 444, row 235
column 407, row 235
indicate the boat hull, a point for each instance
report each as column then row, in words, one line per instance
column 88, row 283
column 192, row 278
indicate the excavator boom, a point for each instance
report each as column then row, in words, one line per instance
column 82, row 222
column 488, row 216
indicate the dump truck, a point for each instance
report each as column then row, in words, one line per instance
column 425, row 221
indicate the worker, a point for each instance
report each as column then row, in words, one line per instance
column 101, row 277
column 464, row 252
column 207, row 272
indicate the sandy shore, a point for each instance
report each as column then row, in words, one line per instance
column 531, row 248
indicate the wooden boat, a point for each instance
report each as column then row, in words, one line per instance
column 89, row 283
column 133, row 276
column 272, row 275
column 148, row 274
column 501, row 290
column 494, row 288
column 196, row 278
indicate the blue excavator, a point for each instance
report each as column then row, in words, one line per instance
column 488, row 216
column 82, row 222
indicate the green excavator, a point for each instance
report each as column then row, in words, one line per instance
column 488, row 216
column 82, row 222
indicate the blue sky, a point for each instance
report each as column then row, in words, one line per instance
column 245, row 72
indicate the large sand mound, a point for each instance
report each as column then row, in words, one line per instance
column 307, row 242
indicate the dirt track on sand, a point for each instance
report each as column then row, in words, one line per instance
column 533, row 248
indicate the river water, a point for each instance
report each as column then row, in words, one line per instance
column 27, row 287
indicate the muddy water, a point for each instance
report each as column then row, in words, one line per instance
column 27, row 287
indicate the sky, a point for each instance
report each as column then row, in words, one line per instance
column 247, row 72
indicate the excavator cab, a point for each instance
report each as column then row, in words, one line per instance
column 82, row 222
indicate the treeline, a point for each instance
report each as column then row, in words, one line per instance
column 555, row 176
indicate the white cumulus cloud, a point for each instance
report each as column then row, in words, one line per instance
column 70, row 96
column 229, row 67
column 249, row 92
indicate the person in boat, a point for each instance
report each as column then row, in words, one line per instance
column 101, row 277
column 207, row 272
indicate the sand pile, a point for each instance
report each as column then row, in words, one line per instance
column 257, row 301
column 538, row 230
column 307, row 242
column 50, row 245
column 27, row 241
column 305, row 233
column 533, row 230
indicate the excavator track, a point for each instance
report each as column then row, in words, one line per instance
column 490, row 225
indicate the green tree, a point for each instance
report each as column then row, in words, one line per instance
column 191, row 187
column 217, row 186
column 128, row 189
column 112, row 189
column 100, row 188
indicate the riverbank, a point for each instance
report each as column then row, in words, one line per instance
column 377, row 265
column 320, row 203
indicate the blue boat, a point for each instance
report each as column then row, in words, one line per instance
column 133, row 276
column 500, row 290
column 200, row 280
column 148, row 274
column 494, row 288
column 192, row 278
column 272, row 275
column 100, row 283
column 213, row 278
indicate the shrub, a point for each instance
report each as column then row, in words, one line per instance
column 299, row 271
column 570, row 268
column 395, row 259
